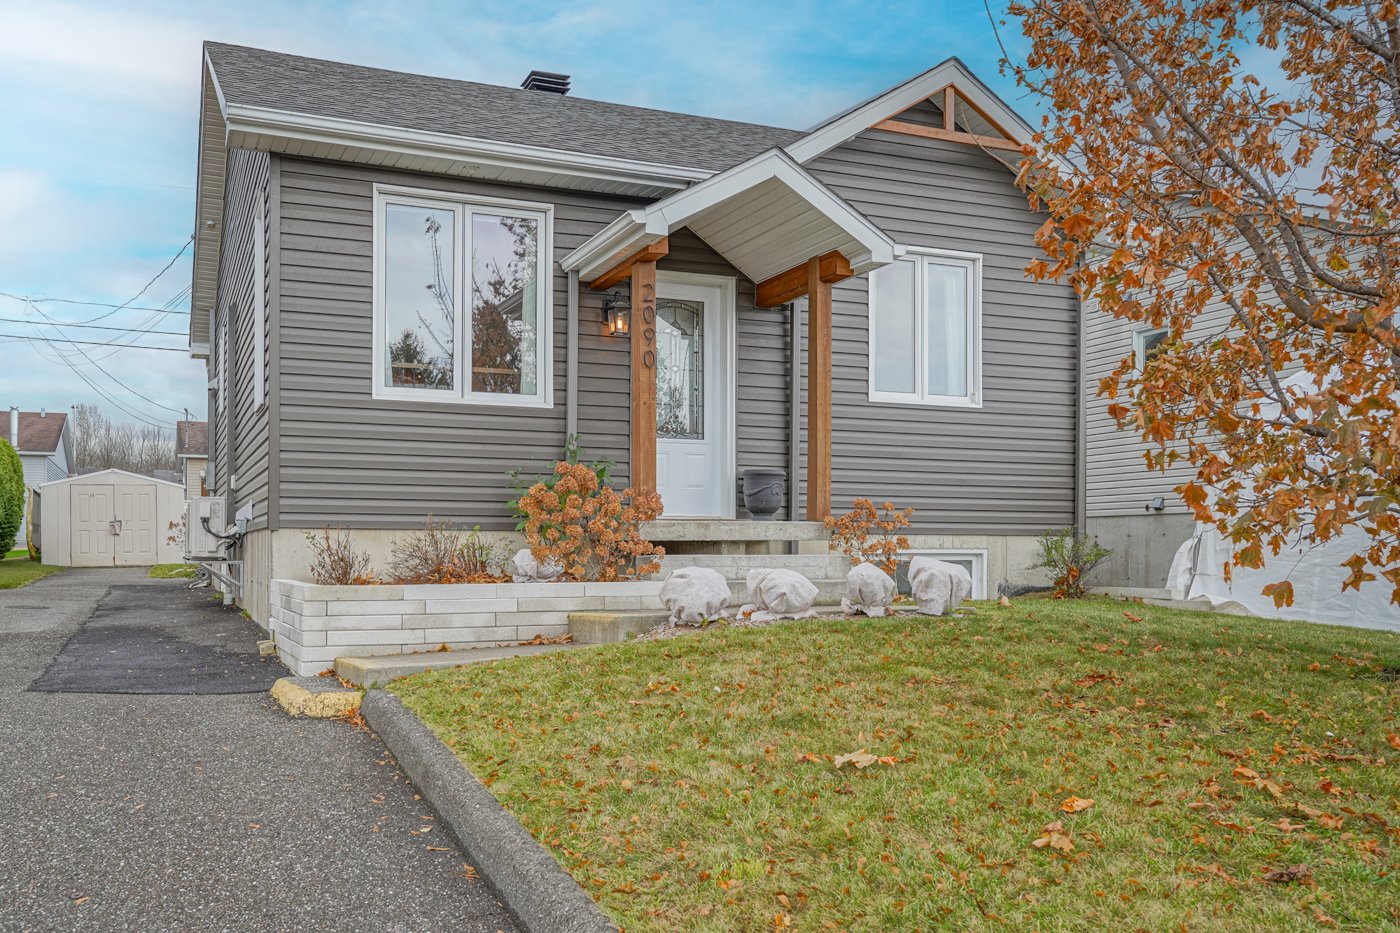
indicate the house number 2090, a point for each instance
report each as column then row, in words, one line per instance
column 649, row 330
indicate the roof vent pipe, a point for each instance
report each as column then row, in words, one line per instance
column 550, row 81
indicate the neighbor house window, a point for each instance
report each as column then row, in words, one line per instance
column 462, row 299
column 925, row 330
column 1147, row 344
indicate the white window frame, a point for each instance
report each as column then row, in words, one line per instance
column 923, row 257
column 462, row 207
column 977, row 556
column 1140, row 344
column 259, row 306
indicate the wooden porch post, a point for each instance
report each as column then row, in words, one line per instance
column 818, row 393
column 644, row 376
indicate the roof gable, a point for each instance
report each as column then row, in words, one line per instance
column 981, row 112
column 39, row 433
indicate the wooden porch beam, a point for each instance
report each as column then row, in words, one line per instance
column 643, row 334
column 952, row 136
column 818, row 392
column 794, row 283
column 623, row 269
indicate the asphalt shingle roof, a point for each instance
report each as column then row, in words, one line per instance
column 259, row 78
column 38, row 433
column 192, row 438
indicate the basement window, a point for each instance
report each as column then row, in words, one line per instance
column 926, row 330
column 462, row 299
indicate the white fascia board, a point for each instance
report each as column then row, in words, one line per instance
column 616, row 239
column 641, row 226
column 862, row 117
column 90, row 476
column 200, row 351
column 285, row 124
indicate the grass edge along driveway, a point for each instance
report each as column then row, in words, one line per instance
column 16, row 570
column 693, row 783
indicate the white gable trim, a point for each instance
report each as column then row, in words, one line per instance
column 867, row 246
column 119, row 473
column 849, row 124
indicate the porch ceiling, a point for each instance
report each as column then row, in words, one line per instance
column 765, row 216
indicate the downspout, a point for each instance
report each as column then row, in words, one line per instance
column 14, row 426
column 794, row 408
column 226, row 399
column 571, row 361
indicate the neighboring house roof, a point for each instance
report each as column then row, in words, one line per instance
column 192, row 438
column 39, row 433
column 277, row 81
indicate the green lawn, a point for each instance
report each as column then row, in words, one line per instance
column 17, row 570
column 167, row 571
column 690, row 783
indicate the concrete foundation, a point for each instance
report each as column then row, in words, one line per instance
column 1143, row 547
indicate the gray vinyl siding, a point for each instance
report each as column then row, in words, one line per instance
column 348, row 458
column 1009, row 466
column 1117, row 480
column 246, row 186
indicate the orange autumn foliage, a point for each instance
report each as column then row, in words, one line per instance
column 867, row 533
column 588, row 528
column 1182, row 180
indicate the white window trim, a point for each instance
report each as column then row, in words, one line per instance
column 1140, row 344
column 978, row 557
column 259, row 306
column 461, row 206
column 921, row 398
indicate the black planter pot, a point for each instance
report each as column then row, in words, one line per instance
column 763, row 493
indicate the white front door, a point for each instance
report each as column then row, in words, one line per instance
column 695, row 395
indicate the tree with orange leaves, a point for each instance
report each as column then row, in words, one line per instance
column 1176, row 181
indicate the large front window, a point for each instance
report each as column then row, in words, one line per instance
column 925, row 330
column 461, row 299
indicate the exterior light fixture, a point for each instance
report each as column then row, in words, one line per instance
column 1156, row 505
column 617, row 314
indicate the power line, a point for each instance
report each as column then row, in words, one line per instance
column 134, row 330
column 92, row 343
column 100, row 304
column 127, row 304
column 99, row 390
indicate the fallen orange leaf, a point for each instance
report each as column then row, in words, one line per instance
column 1073, row 804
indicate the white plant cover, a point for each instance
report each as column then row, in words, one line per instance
column 868, row 589
column 938, row 586
column 779, row 594
column 525, row 569
column 695, row 594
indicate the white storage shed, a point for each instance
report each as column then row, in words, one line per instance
column 111, row 518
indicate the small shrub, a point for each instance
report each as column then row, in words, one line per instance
column 1070, row 556
column 587, row 527
column 573, row 455
column 443, row 553
column 868, row 534
column 335, row 561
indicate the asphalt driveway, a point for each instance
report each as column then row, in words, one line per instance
column 148, row 783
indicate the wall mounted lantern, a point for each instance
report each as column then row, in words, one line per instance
column 617, row 313
column 1156, row 505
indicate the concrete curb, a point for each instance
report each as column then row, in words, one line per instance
column 314, row 697
column 539, row 894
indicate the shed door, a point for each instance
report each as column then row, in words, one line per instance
column 92, row 513
column 136, row 513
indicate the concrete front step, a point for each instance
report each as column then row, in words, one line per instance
column 606, row 628
column 375, row 672
column 737, row 566
column 705, row 529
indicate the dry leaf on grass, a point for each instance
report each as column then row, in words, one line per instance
column 861, row 759
column 1003, row 601
column 1132, row 618
column 1293, row 874
column 1054, row 836
column 1073, row 804
column 1251, row 777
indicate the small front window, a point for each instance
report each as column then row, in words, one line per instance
column 925, row 331
column 1147, row 345
column 462, row 303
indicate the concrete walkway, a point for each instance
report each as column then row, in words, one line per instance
column 169, row 811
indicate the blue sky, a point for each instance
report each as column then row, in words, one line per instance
column 99, row 101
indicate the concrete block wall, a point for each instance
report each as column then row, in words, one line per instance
column 313, row 625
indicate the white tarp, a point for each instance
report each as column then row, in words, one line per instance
column 1316, row 574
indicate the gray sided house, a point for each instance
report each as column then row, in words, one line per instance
column 405, row 287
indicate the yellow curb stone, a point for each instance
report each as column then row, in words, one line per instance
column 301, row 699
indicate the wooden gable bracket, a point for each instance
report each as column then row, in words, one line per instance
column 792, row 284
column 948, row 131
column 623, row 269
